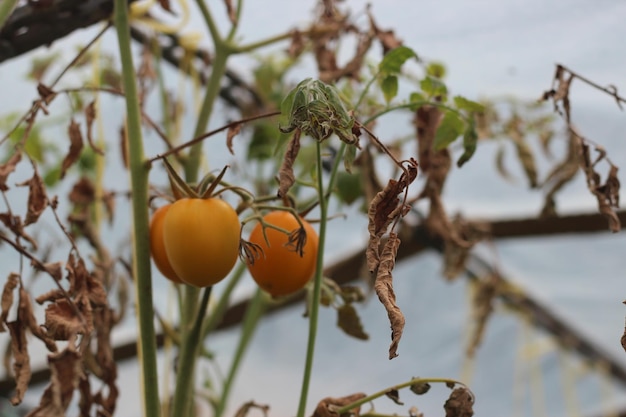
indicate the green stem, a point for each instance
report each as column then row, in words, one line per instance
column 139, row 171
column 253, row 314
column 415, row 104
column 183, row 393
column 313, row 314
column 413, row 381
column 218, row 312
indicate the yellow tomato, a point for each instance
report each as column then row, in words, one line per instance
column 157, row 245
column 201, row 239
column 281, row 270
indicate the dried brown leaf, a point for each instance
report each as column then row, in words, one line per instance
column 165, row 5
column 394, row 395
column 108, row 199
column 427, row 120
column 65, row 374
column 420, row 388
column 384, row 289
column 482, row 304
column 83, row 192
column 297, row 45
column 460, row 403
column 62, row 322
column 328, row 406
column 124, row 146
column 46, row 93
column 348, row 320
column 230, row 134
column 21, row 360
column 26, row 315
column 50, row 296
column 7, row 168
column 286, row 177
column 7, row 298
column 245, row 409
column 232, row 13
column 90, row 116
column 387, row 38
column 76, row 146
column 14, row 223
column 37, row 198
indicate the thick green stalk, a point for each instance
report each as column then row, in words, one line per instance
column 183, row 393
column 141, row 232
column 317, row 286
column 253, row 314
column 218, row 312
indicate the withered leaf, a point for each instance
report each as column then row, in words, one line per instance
column 7, row 297
column 62, row 322
column 76, row 146
column 108, row 199
column 327, row 407
column 427, row 120
column 420, row 388
column 65, row 374
column 384, row 289
column 286, row 177
column 90, row 116
column 7, row 168
column 26, row 316
column 387, row 38
column 348, row 320
column 394, row 395
column 165, row 5
column 296, row 47
column 245, row 408
column 460, row 403
column 230, row 135
column 14, row 223
column 46, row 93
column 124, row 147
column 37, row 198
column 83, row 192
column 230, row 9
column 21, row 360
column 482, row 309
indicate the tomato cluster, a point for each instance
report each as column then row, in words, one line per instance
column 195, row 241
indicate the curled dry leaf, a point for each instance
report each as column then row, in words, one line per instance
column 485, row 293
column 37, row 198
column 26, row 316
column 394, row 395
column 14, row 223
column 21, row 360
column 286, row 177
column 387, row 38
column 65, row 374
column 460, row 403
column 230, row 135
column 7, row 168
column 46, row 93
column 329, row 405
column 245, row 408
column 83, row 192
column 384, row 289
column 62, row 322
column 76, row 146
column 7, row 298
column 90, row 116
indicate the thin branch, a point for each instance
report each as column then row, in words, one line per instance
column 612, row 91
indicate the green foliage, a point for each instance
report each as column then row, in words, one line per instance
column 433, row 87
column 393, row 61
column 451, row 127
column 436, row 70
column 389, row 87
column 468, row 105
column 470, row 138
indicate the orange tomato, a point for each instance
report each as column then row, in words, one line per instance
column 157, row 245
column 201, row 239
column 281, row 270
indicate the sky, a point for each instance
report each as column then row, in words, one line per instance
column 491, row 49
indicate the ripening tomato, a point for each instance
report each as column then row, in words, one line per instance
column 157, row 245
column 201, row 239
column 281, row 270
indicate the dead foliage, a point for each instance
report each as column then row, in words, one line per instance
column 37, row 198
column 485, row 292
column 460, row 403
column 328, row 406
column 286, row 177
column 76, row 146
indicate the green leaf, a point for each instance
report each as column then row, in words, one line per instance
column 348, row 157
column 433, row 87
column 451, row 127
column 436, row 70
column 470, row 138
column 389, row 86
column 393, row 61
column 417, row 100
column 349, row 187
column 464, row 104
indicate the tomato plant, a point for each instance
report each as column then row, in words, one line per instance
column 157, row 245
column 201, row 239
column 281, row 270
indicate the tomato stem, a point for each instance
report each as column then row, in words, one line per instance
column 253, row 314
column 141, row 230
column 317, row 287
